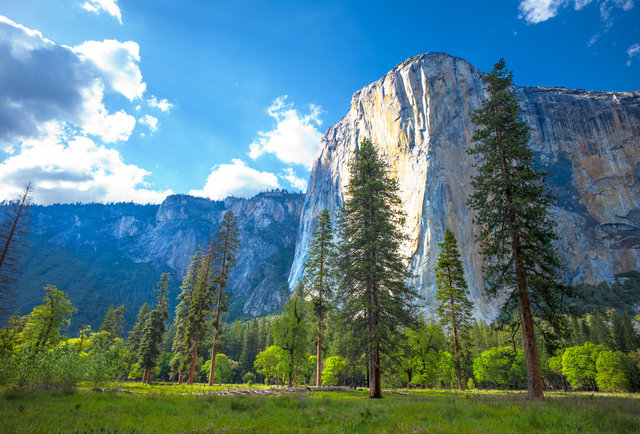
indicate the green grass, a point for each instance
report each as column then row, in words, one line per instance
column 420, row 411
column 174, row 389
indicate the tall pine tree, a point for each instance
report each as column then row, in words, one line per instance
column 154, row 329
column 376, row 297
column 227, row 246
column 181, row 360
column 316, row 278
column 135, row 335
column 454, row 308
column 516, row 233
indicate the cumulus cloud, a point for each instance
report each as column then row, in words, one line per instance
column 296, row 182
column 97, row 121
column 632, row 52
column 41, row 82
column 236, row 179
column 537, row 11
column 108, row 6
column 150, row 121
column 162, row 104
column 118, row 64
column 74, row 169
column 295, row 137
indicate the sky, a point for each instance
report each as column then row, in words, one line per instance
column 133, row 100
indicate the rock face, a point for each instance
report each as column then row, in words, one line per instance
column 103, row 254
column 419, row 116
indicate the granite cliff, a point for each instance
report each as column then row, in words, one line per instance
column 419, row 116
column 114, row 253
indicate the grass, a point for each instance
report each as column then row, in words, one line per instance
column 420, row 411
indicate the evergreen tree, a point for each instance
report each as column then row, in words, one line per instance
column 290, row 332
column 316, row 279
column 516, row 233
column 199, row 308
column 154, row 329
column 227, row 247
column 454, row 308
column 135, row 335
column 113, row 321
column 377, row 300
column 181, row 360
column 235, row 340
column 249, row 346
column 13, row 232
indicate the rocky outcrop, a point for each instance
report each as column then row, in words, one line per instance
column 103, row 254
column 419, row 116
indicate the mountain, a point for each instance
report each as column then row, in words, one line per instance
column 419, row 116
column 114, row 253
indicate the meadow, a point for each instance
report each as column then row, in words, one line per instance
column 167, row 409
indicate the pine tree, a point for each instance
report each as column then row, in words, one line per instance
column 227, row 246
column 516, row 233
column 181, row 359
column 135, row 335
column 199, row 308
column 154, row 329
column 316, row 278
column 13, row 232
column 376, row 299
column 454, row 308
column 249, row 346
column 113, row 321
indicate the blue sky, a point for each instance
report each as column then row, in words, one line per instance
column 118, row 100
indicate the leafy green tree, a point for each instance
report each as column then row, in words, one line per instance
column 291, row 333
column 376, row 298
column 227, row 246
column 106, row 358
column 114, row 321
column 516, row 234
column 42, row 329
column 335, row 371
column 579, row 365
column 225, row 369
column 454, row 308
column 611, row 373
column 154, row 329
column 269, row 363
column 501, row 367
column 135, row 335
column 317, row 270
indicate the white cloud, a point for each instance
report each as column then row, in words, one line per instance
column 118, row 64
column 162, row 104
column 74, row 169
column 98, row 122
column 290, row 176
column 236, row 179
column 108, row 6
column 295, row 137
column 537, row 11
column 150, row 121
column 632, row 52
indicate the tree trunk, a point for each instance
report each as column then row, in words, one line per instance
column 212, row 371
column 290, row 382
column 319, row 354
column 375, row 384
column 145, row 376
column 535, row 386
column 180, row 379
column 194, row 361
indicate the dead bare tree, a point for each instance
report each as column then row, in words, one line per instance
column 13, row 233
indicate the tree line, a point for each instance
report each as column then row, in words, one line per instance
column 353, row 307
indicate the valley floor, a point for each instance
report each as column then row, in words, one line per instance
column 164, row 409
